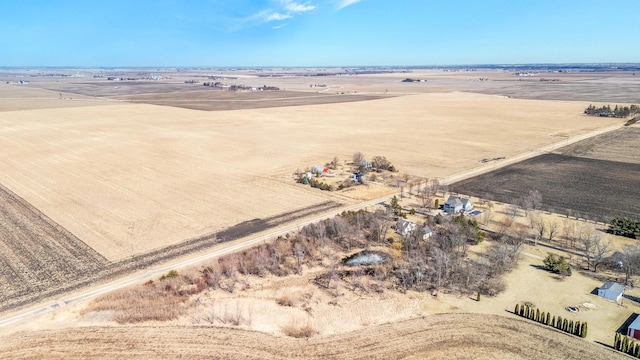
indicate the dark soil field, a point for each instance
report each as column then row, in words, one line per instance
column 229, row 100
column 595, row 179
column 36, row 254
column 586, row 188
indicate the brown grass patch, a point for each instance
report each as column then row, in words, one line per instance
column 157, row 301
column 296, row 330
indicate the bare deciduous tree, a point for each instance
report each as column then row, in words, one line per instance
column 540, row 227
column 587, row 240
column 552, row 228
column 631, row 261
column 568, row 230
column 601, row 248
column 486, row 216
column 298, row 252
column 513, row 212
column 358, row 158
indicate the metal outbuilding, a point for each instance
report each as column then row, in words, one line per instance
column 611, row 290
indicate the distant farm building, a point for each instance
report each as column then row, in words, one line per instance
column 611, row 290
column 633, row 330
column 456, row 204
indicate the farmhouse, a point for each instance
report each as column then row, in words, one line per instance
column 633, row 330
column 405, row 228
column 611, row 290
column 455, row 205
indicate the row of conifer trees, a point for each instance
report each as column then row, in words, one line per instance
column 626, row 345
column 576, row 328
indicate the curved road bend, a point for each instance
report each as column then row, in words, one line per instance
column 251, row 242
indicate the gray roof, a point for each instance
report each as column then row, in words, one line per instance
column 454, row 201
column 404, row 226
column 613, row 287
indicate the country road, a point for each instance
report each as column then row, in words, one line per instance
column 151, row 273
column 177, row 265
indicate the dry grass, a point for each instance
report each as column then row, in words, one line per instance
column 296, row 329
column 156, row 301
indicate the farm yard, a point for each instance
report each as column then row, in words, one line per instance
column 580, row 180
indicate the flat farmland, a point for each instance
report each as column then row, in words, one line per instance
column 228, row 100
column 132, row 178
column 581, row 179
column 36, row 254
column 457, row 336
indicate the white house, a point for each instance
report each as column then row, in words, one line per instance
column 405, row 227
column 611, row 290
column 426, row 233
column 456, row 204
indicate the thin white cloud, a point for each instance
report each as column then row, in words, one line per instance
column 344, row 3
column 296, row 7
column 279, row 10
column 277, row 16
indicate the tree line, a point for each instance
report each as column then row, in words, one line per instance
column 569, row 326
column 617, row 111
column 625, row 226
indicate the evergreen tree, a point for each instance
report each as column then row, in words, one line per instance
column 616, row 341
column 576, row 329
column 584, row 330
column 548, row 319
column 553, row 321
column 537, row 318
column 517, row 310
column 565, row 325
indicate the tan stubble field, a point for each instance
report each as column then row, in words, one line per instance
column 129, row 178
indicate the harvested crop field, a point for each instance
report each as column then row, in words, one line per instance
column 582, row 187
column 228, row 100
column 622, row 145
column 41, row 259
column 36, row 254
column 459, row 336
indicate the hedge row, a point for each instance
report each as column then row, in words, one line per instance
column 626, row 345
column 576, row 328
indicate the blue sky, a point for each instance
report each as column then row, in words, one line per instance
column 315, row 32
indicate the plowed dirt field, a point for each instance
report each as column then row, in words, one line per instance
column 446, row 336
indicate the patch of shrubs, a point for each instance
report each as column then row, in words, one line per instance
column 557, row 264
column 569, row 326
column 314, row 183
column 170, row 275
column 626, row 345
